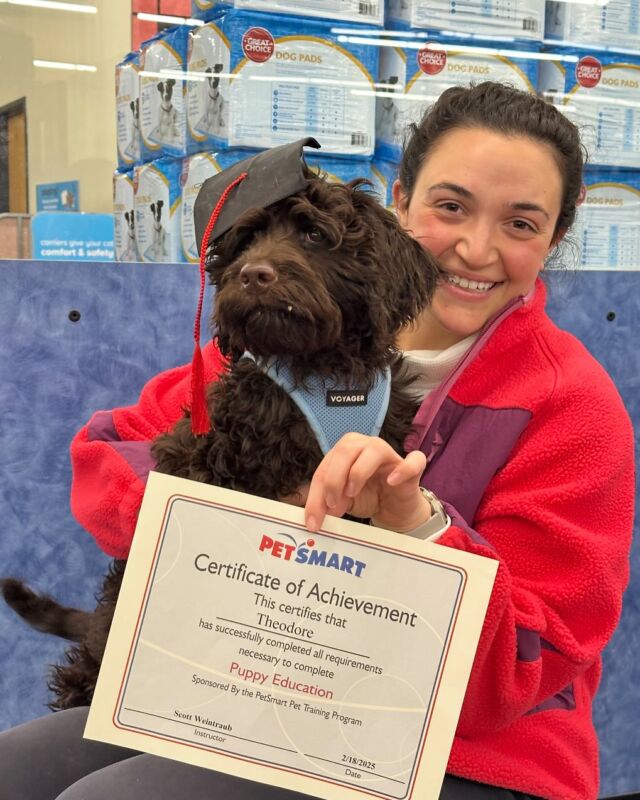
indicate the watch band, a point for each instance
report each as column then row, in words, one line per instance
column 437, row 523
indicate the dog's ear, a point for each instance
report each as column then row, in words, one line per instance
column 126, row 216
column 160, row 204
column 160, row 87
column 171, row 83
column 408, row 272
column 153, row 209
column 414, row 272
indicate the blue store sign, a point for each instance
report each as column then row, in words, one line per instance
column 58, row 236
column 64, row 196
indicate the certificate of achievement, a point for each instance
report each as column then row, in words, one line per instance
column 333, row 663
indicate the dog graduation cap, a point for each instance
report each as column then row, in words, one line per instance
column 256, row 182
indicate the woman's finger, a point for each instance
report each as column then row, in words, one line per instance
column 338, row 464
column 327, row 488
column 374, row 462
column 411, row 467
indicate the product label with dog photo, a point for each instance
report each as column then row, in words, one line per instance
column 162, row 95
column 333, row 664
column 208, row 61
column 128, row 111
column 157, row 203
column 124, row 217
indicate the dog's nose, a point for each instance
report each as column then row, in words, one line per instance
column 257, row 276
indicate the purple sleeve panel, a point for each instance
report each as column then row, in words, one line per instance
column 562, row 701
column 529, row 645
column 102, row 427
column 465, row 447
column 136, row 454
column 458, row 520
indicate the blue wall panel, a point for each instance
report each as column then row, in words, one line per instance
column 137, row 319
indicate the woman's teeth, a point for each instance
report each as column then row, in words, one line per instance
column 474, row 286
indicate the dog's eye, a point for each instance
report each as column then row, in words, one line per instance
column 315, row 235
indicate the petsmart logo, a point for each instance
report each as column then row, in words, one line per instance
column 306, row 553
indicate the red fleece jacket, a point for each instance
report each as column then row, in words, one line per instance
column 532, row 449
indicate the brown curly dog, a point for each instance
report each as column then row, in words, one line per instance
column 322, row 282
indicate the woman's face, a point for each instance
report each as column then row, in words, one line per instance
column 485, row 205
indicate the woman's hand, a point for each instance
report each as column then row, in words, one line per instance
column 363, row 476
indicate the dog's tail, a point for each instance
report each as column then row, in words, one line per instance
column 44, row 613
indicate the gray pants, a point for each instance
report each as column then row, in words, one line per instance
column 47, row 759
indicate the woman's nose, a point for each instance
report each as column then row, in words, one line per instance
column 477, row 245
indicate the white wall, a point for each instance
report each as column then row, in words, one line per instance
column 70, row 115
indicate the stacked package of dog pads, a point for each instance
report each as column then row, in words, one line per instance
column 255, row 81
column 204, row 8
column 128, row 111
column 494, row 19
column 163, row 129
column 607, row 221
column 601, row 24
column 370, row 12
column 243, row 80
column 158, row 204
column 124, row 217
column 599, row 90
column 197, row 168
column 414, row 76
column 442, row 43
column 195, row 171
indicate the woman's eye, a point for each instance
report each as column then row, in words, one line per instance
column 315, row 235
column 453, row 207
column 523, row 225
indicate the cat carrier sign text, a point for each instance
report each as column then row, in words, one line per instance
column 332, row 664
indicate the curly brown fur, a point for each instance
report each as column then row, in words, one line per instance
column 323, row 281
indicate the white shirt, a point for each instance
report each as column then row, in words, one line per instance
column 430, row 367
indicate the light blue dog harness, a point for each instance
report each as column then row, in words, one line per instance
column 330, row 409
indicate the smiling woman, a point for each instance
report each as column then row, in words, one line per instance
column 490, row 198
column 514, row 435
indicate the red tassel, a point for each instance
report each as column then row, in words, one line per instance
column 200, row 422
